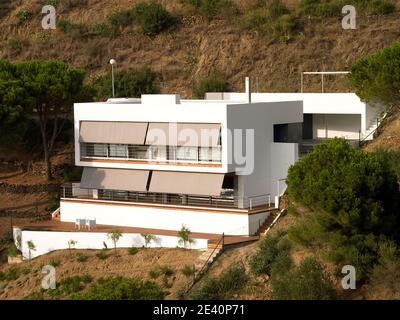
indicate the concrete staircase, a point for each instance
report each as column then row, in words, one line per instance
column 376, row 119
column 264, row 227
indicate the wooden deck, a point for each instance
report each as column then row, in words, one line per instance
column 57, row 226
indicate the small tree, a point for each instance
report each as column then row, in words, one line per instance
column 214, row 83
column 115, row 235
column 147, row 239
column 31, row 247
column 184, row 236
column 71, row 244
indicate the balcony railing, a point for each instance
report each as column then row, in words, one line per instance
column 225, row 200
column 167, row 154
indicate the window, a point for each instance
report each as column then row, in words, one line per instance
column 118, row 151
column 158, row 153
column 94, row 150
column 138, row 152
column 187, row 153
column 210, row 154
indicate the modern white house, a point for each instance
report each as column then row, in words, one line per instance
column 156, row 164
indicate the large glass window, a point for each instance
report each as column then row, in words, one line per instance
column 118, row 151
column 138, row 152
column 210, row 155
column 187, row 153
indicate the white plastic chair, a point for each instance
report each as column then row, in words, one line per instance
column 91, row 224
column 79, row 223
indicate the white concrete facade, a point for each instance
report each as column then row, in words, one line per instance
column 48, row 241
column 335, row 114
column 163, row 218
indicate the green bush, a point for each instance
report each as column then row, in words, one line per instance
column 284, row 26
column 308, row 281
column 119, row 288
column 214, row 83
column 321, row 8
column 12, row 274
column 187, row 271
column 54, row 203
column 71, row 173
column 13, row 251
column 277, row 9
column 121, row 18
column 69, row 286
column 380, row 7
column 102, row 255
column 132, row 251
column 375, row 78
column 353, row 198
column 55, row 263
column 268, row 251
column 152, row 17
column 81, row 257
column 161, row 270
column 131, row 83
column 24, row 16
column 210, row 9
column 65, row 25
column 222, row 287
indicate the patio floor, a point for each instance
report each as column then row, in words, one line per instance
column 58, row 226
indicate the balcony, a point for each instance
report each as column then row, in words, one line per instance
column 155, row 154
column 227, row 199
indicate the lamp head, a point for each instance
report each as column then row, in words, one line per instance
column 113, row 62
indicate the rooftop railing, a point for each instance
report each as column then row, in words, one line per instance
column 225, row 200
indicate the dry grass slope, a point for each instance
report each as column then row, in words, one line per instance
column 196, row 47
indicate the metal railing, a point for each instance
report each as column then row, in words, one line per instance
column 226, row 200
column 167, row 154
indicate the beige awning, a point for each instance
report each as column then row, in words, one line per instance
column 114, row 179
column 113, row 132
column 191, row 183
column 183, row 134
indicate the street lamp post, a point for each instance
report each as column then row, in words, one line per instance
column 113, row 62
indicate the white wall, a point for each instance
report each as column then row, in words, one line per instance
column 261, row 117
column 47, row 241
column 156, row 218
column 336, row 125
column 316, row 103
column 283, row 155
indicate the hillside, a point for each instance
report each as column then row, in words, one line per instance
column 195, row 47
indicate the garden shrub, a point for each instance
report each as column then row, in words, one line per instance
column 321, row 8
column 152, row 17
column 187, row 271
column 132, row 251
column 81, row 257
column 24, row 16
column 161, row 270
column 214, row 83
column 102, row 255
column 308, row 281
column 222, row 287
column 131, row 83
column 120, row 288
column 269, row 249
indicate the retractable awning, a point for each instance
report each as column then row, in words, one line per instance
column 183, row 134
column 192, row 183
column 113, row 132
column 114, row 179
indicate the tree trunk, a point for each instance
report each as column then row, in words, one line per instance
column 46, row 153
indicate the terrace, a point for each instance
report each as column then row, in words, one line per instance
column 226, row 200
